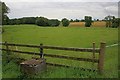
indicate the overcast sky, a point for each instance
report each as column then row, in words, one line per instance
column 58, row 9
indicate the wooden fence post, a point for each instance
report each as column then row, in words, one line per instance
column 93, row 54
column 7, row 48
column 101, row 57
column 7, row 52
column 41, row 50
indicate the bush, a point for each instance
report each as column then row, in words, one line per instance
column 65, row 22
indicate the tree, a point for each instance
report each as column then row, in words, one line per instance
column 5, row 11
column 65, row 22
column 54, row 22
column 28, row 20
column 82, row 20
column 5, row 20
column 77, row 20
column 71, row 20
column 88, row 21
column 116, row 22
column 12, row 21
column 108, row 20
column 41, row 21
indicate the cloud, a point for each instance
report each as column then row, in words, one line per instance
column 62, row 9
column 60, row 0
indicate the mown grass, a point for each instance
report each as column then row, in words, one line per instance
column 66, row 37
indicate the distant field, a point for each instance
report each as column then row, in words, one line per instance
column 66, row 37
column 94, row 24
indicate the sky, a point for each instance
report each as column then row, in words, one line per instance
column 58, row 9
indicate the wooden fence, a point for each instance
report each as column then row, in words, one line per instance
column 100, row 51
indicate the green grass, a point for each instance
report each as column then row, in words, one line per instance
column 66, row 37
column 59, row 36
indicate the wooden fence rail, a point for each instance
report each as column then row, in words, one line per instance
column 97, row 50
column 94, row 50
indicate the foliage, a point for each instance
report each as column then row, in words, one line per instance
column 111, row 21
column 76, row 20
column 88, row 21
column 54, row 22
column 71, row 20
column 116, row 23
column 4, row 10
column 24, row 20
column 41, row 21
column 65, row 22
column 28, row 20
column 5, row 20
column 108, row 20
column 82, row 20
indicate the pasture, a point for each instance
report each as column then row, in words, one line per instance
column 81, row 37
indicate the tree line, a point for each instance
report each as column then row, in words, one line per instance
column 40, row 21
column 111, row 21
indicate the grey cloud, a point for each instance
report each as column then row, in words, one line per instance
column 62, row 9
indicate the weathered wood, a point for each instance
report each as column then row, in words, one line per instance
column 41, row 50
column 57, row 56
column 93, row 54
column 72, row 49
column 101, row 57
column 94, row 50
column 72, row 58
column 21, row 51
column 20, row 45
column 7, row 52
column 7, row 48
column 57, row 48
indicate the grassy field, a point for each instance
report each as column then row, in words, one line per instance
column 94, row 24
column 66, row 37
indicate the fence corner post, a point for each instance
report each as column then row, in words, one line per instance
column 41, row 50
column 101, row 57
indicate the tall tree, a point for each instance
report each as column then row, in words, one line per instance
column 88, row 21
column 116, row 23
column 5, row 11
column 65, row 22
column 108, row 20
